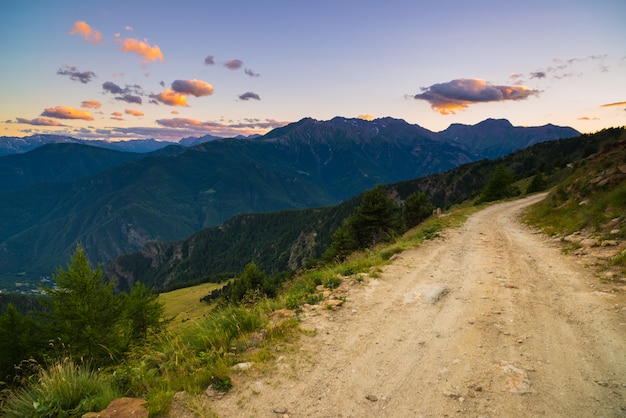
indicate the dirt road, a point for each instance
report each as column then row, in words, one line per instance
column 490, row 320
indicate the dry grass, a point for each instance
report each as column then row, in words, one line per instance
column 183, row 305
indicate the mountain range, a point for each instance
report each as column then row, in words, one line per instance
column 114, row 202
column 16, row 145
column 289, row 240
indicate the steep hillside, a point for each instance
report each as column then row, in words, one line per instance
column 276, row 242
column 285, row 240
column 588, row 208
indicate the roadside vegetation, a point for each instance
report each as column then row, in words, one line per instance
column 102, row 344
column 89, row 345
column 590, row 202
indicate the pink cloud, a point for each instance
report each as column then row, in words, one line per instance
column 91, row 104
column 40, row 121
column 233, row 64
column 194, row 87
column 447, row 98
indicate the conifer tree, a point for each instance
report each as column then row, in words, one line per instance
column 251, row 279
column 537, row 184
column 375, row 219
column 18, row 340
column 417, row 207
column 142, row 311
column 499, row 186
column 84, row 313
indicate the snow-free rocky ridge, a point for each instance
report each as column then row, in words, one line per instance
column 489, row 320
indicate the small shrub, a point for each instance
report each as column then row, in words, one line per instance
column 620, row 259
column 159, row 401
column 294, row 301
column 65, row 389
column 221, row 383
column 387, row 253
column 219, row 329
column 332, row 282
column 313, row 298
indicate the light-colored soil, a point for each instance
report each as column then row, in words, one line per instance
column 489, row 320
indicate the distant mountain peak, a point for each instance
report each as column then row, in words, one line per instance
column 495, row 123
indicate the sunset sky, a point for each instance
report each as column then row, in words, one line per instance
column 168, row 70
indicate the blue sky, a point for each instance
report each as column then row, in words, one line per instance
column 135, row 69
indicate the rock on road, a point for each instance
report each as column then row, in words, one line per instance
column 489, row 320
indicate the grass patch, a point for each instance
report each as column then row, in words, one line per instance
column 201, row 354
column 65, row 389
column 184, row 305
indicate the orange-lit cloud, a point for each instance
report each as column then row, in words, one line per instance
column 141, row 48
column 83, row 29
column 170, row 98
column 616, row 104
column 91, row 104
column 174, row 112
column 366, row 117
column 194, row 87
column 64, row 112
column 133, row 112
column 116, row 116
column 40, row 122
column 448, row 98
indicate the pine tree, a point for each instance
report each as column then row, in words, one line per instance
column 499, row 186
column 18, row 340
column 251, row 279
column 417, row 207
column 84, row 313
column 376, row 219
column 537, row 184
column 142, row 311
